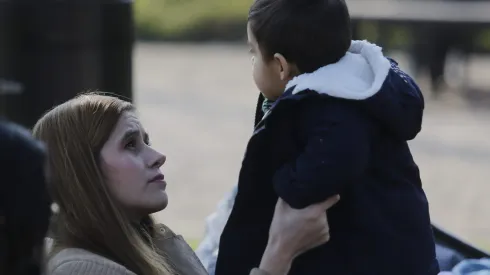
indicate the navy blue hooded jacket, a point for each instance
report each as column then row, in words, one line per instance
column 342, row 129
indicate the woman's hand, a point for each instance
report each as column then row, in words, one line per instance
column 294, row 231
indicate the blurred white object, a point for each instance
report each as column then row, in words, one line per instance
column 472, row 267
column 215, row 223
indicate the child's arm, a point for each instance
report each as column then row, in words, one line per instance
column 336, row 153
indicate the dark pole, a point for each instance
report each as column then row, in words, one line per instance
column 57, row 49
column 8, row 87
column 118, row 40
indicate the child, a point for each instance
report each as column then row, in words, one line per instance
column 335, row 119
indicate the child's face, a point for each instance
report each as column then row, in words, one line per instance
column 270, row 76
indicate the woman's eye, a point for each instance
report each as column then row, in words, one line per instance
column 131, row 145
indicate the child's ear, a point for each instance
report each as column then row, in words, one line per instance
column 285, row 69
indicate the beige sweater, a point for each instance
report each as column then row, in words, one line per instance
column 75, row 261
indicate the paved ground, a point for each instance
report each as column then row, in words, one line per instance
column 197, row 102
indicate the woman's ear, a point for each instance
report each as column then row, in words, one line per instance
column 285, row 69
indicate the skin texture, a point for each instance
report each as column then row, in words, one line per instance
column 130, row 165
column 270, row 76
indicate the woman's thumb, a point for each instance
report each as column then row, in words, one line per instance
column 328, row 203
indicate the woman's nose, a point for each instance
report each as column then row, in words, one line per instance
column 159, row 160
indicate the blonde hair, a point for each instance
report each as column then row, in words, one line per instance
column 89, row 217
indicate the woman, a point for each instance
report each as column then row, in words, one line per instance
column 106, row 180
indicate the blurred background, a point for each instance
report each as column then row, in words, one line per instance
column 185, row 65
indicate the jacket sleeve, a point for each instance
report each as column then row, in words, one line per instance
column 177, row 251
column 336, row 153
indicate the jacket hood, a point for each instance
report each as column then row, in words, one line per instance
column 365, row 74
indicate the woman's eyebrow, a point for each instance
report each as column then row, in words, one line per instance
column 129, row 134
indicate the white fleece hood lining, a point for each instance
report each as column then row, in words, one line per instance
column 358, row 75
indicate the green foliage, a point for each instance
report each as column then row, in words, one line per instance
column 174, row 19
column 198, row 20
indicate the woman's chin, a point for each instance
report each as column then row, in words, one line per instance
column 161, row 202
column 155, row 203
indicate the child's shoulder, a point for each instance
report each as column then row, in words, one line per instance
column 329, row 108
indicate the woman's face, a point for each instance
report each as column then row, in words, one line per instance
column 132, row 168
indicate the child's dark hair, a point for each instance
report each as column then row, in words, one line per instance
column 308, row 33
